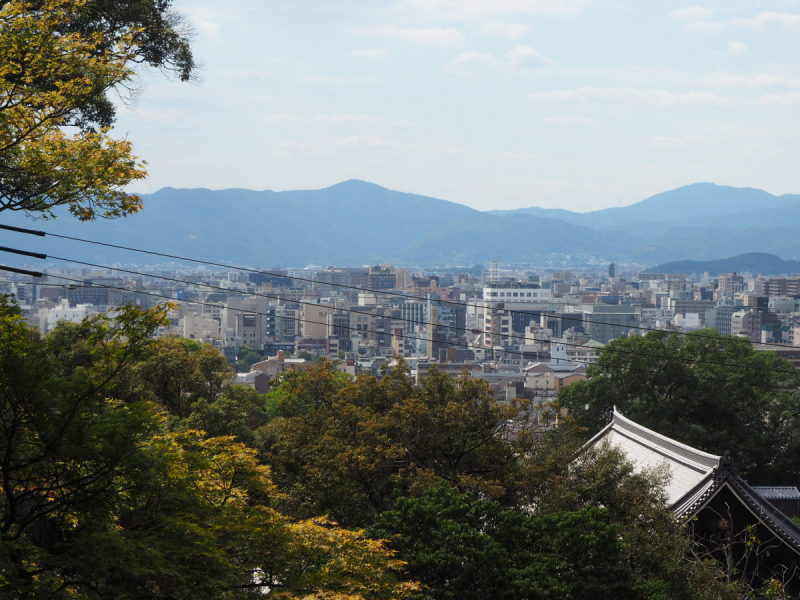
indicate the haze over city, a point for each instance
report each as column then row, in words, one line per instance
column 496, row 104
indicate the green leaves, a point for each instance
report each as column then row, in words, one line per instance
column 705, row 390
column 341, row 447
column 99, row 497
column 47, row 75
column 461, row 547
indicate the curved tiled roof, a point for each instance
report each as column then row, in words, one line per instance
column 696, row 476
column 773, row 492
column 781, row 526
column 687, row 466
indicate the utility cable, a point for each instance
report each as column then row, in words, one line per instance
column 624, row 368
column 426, row 323
column 382, row 292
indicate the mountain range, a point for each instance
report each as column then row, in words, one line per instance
column 356, row 223
column 753, row 262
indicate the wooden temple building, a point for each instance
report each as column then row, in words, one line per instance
column 729, row 519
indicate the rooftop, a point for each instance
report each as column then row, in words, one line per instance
column 777, row 492
column 650, row 450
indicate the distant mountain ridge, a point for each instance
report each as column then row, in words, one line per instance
column 357, row 223
column 698, row 203
column 753, row 262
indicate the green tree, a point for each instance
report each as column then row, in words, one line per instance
column 711, row 392
column 178, row 373
column 562, row 475
column 238, row 412
column 461, row 547
column 99, row 498
column 592, row 529
column 246, row 358
column 58, row 63
column 341, row 447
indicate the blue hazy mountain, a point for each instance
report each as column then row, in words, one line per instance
column 753, row 262
column 696, row 204
column 356, row 223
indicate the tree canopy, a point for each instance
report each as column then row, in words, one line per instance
column 475, row 511
column 58, row 63
column 341, row 447
column 711, row 392
column 110, row 497
column 132, row 467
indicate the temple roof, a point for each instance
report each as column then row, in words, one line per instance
column 693, row 502
column 648, row 450
column 697, row 477
column 773, row 492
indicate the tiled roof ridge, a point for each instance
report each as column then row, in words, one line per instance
column 694, row 500
column 779, row 522
column 703, row 458
column 776, row 492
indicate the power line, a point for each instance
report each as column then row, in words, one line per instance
column 383, row 292
column 21, row 271
column 427, row 323
column 521, row 354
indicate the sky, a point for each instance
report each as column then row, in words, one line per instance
column 496, row 104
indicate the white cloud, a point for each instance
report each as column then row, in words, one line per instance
column 282, row 118
column 632, row 95
column 520, row 58
column 769, row 21
column 434, row 36
column 664, row 98
column 763, row 80
column 738, row 49
column 696, row 18
column 374, row 53
column 365, row 141
column 675, row 143
column 569, row 120
column 336, row 120
column 785, row 100
column 348, row 118
column 205, row 21
column 462, row 73
column 333, row 80
column 510, row 30
column 468, row 9
column 523, row 57
column 692, row 13
column 207, row 28
column 483, row 58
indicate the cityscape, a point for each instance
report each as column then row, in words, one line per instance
column 399, row 300
column 529, row 333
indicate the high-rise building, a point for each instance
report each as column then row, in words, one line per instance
column 782, row 287
column 730, row 284
column 381, row 279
